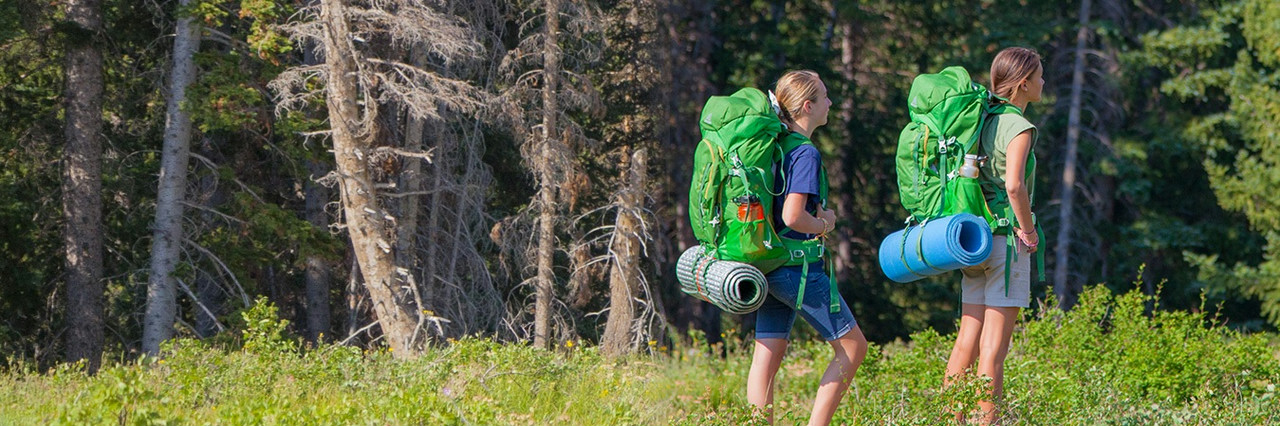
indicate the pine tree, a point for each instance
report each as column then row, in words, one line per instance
column 82, row 183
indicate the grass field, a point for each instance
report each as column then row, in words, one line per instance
column 1108, row 361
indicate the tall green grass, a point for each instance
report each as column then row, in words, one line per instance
column 1114, row 359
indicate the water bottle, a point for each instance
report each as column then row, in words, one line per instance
column 970, row 167
column 749, row 208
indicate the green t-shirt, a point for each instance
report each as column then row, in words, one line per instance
column 996, row 135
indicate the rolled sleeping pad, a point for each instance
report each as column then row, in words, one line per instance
column 939, row 245
column 734, row 287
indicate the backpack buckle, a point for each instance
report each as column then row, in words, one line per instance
column 798, row 254
column 944, row 143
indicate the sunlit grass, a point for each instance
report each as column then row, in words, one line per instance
column 1108, row 361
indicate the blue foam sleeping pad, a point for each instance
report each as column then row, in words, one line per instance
column 940, row 245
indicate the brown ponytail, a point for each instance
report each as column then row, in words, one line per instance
column 1011, row 67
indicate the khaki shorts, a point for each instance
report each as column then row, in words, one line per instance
column 983, row 284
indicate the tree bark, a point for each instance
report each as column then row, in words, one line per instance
column 619, row 339
column 547, row 188
column 318, row 275
column 1063, row 289
column 210, row 297
column 366, row 225
column 162, row 296
column 410, row 181
column 841, row 173
column 82, row 184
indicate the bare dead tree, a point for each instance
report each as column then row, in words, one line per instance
column 626, row 330
column 547, row 83
column 356, row 83
column 211, row 296
column 1066, row 298
column 442, row 204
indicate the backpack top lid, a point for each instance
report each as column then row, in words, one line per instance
column 745, row 113
column 928, row 91
column 948, row 102
column 947, row 111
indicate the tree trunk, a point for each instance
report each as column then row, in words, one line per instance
column 167, row 232
column 210, row 297
column 619, row 339
column 82, row 184
column 410, row 181
column 547, row 218
column 162, row 296
column 366, row 224
column 1106, row 188
column 1063, row 289
column 842, row 175
column 318, row 275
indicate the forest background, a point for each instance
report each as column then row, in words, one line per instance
column 404, row 173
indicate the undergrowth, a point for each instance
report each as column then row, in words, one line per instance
column 1116, row 359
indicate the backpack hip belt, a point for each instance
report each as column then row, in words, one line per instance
column 804, row 252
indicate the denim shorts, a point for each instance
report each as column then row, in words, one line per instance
column 778, row 313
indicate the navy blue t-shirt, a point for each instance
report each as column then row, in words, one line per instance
column 801, row 169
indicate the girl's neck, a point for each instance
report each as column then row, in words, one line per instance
column 802, row 126
column 1019, row 102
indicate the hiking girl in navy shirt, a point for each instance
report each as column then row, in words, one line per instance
column 803, row 104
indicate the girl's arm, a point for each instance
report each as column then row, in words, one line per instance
column 795, row 217
column 1015, row 186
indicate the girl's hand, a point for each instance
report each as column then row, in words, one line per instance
column 1029, row 238
column 829, row 219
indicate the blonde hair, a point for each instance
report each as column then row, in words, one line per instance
column 793, row 89
column 1010, row 68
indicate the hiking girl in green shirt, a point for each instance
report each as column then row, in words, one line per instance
column 990, row 300
column 803, row 289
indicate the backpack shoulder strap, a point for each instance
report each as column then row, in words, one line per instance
column 789, row 141
column 1003, row 108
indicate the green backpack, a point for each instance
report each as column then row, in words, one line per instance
column 948, row 111
column 731, row 198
